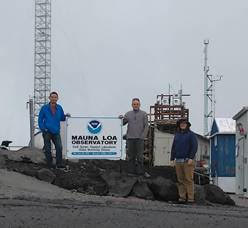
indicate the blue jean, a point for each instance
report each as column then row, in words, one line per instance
column 56, row 139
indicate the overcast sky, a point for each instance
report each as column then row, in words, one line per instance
column 104, row 52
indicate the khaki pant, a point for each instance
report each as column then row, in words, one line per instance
column 185, row 178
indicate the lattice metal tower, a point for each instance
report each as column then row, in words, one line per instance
column 42, row 56
column 209, row 92
column 207, row 96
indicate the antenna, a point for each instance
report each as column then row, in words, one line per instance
column 206, row 69
column 209, row 91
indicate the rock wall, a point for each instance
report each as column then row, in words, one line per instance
column 105, row 177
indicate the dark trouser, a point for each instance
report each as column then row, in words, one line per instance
column 135, row 153
column 56, row 139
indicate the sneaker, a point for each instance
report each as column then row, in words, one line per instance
column 190, row 201
column 181, row 200
column 131, row 174
column 147, row 175
column 60, row 167
column 51, row 166
column 63, row 168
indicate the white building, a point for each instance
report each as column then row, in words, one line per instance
column 241, row 151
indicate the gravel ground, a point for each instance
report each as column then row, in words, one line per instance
column 116, row 213
column 240, row 200
column 27, row 202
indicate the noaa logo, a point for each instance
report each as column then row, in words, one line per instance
column 94, row 127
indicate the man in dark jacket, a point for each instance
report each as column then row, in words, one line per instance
column 136, row 132
column 49, row 123
column 183, row 152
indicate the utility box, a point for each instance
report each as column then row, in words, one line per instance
column 222, row 156
column 241, row 152
column 162, row 147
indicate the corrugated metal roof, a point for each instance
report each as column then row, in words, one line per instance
column 241, row 113
column 225, row 125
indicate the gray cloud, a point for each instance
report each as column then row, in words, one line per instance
column 104, row 52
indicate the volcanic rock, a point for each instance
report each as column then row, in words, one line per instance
column 82, row 178
column 2, row 161
column 166, row 172
column 26, row 154
column 141, row 190
column 200, row 195
column 215, row 194
column 119, row 185
column 46, row 175
column 164, row 189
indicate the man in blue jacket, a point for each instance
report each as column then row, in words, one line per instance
column 183, row 152
column 49, row 123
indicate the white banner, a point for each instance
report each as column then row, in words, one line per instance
column 94, row 138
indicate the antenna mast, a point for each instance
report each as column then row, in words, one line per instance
column 42, row 56
column 206, row 97
column 209, row 91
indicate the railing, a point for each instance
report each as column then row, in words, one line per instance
column 203, row 175
column 15, row 147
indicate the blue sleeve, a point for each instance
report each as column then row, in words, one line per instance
column 41, row 119
column 62, row 114
column 173, row 150
column 194, row 146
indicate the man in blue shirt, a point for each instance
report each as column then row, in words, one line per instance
column 49, row 123
column 183, row 152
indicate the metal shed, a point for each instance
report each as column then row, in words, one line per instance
column 241, row 151
column 222, row 155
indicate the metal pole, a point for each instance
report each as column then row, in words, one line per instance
column 31, row 118
column 209, row 92
column 206, row 69
column 213, row 105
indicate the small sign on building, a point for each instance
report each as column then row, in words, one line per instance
column 94, row 138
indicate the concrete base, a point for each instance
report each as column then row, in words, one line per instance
column 227, row 184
